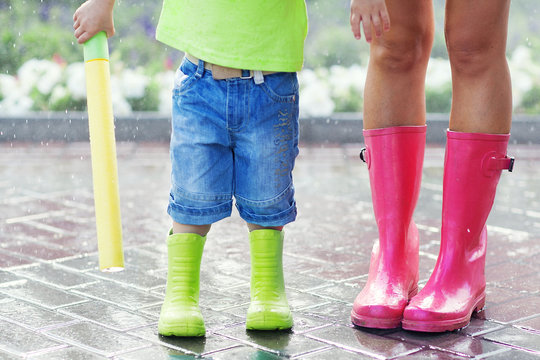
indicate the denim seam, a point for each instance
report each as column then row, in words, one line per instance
column 201, row 211
column 198, row 196
column 281, row 218
column 263, row 203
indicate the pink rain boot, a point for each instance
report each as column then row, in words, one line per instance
column 394, row 157
column 456, row 288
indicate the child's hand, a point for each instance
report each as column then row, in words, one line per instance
column 371, row 13
column 92, row 17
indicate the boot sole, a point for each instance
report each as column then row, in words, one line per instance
column 268, row 322
column 375, row 323
column 444, row 325
column 181, row 330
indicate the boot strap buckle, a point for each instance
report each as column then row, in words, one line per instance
column 494, row 162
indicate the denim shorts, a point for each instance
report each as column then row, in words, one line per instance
column 233, row 138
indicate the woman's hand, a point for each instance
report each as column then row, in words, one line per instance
column 372, row 14
column 92, row 17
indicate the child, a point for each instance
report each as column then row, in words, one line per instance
column 235, row 134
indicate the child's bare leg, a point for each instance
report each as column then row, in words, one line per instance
column 252, row 227
column 190, row 229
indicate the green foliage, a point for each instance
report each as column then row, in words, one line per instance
column 335, row 45
column 351, row 103
column 439, row 101
column 530, row 104
column 148, row 102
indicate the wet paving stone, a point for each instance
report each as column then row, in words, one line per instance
column 300, row 300
column 41, row 294
column 514, row 310
column 70, row 353
column 304, row 282
column 479, row 327
column 363, row 342
column 216, row 301
column 97, row 339
column 516, row 338
column 54, row 276
column 158, row 353
column 48, row 252
column 337, row 312
column 81, row 263
column 120, row 295
column 452, row 342
column 33, row 317
column 105, row 315
column 7, row 278
column 433, row 355
column 189, row 345
column 8, row 260
column 515, row 355
column 532, row 325
column 136, row 278
column 304, row 324
column 339, row 292
column 17, row 340
column 334, row 353
column 151, row 259
column 282, row 343
column 7, row 356
column 217, row 320
column 215, row 281
column 38, row 251
column 245, row 352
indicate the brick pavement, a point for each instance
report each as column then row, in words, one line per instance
column 54, row 304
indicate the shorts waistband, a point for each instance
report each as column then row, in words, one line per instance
column 223, row 72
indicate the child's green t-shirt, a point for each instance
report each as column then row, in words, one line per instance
column 263, row 35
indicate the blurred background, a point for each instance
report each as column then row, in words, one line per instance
column 41, row 65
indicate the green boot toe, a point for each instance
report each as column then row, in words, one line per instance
column 181, row 321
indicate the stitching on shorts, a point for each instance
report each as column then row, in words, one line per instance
column 179, row 192
column 267, row 202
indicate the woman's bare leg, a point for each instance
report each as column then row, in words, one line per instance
column 481, row 89
column 394, row 92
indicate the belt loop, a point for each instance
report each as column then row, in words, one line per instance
column 200, row 69
column 258, row 77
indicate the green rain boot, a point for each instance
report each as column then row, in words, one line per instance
column 180, row 313
column 269, row 309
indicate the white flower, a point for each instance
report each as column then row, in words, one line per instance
column 58, row 93
column 524, row 71
column 7, row 84
column 132, row 83
column 76, row 80
column 41, row 74
column 165, row 82
column 342, row 80
column 315, row 99
column 16, row 104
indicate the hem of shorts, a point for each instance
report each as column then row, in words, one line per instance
column 281, row 219
column 197, row 219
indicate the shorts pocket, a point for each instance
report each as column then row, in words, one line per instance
column 281, row 87
column 184, row 77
